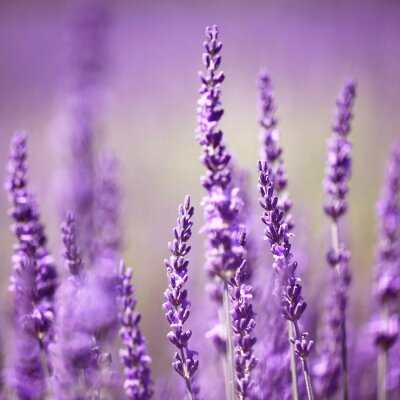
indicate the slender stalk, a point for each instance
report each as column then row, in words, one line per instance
column 304, row 363
column 230, row 382
column 189, row 390
column 293, row 369
column 383, row 356
column 343, row 328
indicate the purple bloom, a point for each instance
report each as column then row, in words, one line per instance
column 243, row 324
column 88, row 64
column 338, row 170
column 28, row 370
column 76, row 353
column 34, row 280
column 289, row 287
column 336, row 183
column 270, row 149
column 222, row 203
column 134, row 357
column 177, row 304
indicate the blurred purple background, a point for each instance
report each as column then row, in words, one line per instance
column 150, row 117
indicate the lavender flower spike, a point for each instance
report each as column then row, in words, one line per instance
column 243, row 324
column 336, row 183
column 222, row 204
column 387, row 284
column 75, row 351
column 134, row 357
column 289, row 286
column 35, row 277
column 272, row 153
column 177, row 305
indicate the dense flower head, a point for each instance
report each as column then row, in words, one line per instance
column 243, row 325
column 222, row 204
column 177, row 304
column 32, row 240
column 215, row 156
column 339, row 164
column 134, row 357
column 71, row 253
column 270, row 149
column 289, row 288
column 75, row 352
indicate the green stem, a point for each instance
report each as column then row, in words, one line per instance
column 343, row 329
column 230, row 382
column 304, row 363
column 187, row 378
column 293, row 369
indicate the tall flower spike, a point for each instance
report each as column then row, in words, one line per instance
column 75, row 352
column 387, row 283
column 289, row 286
column 269, row 138
column 177, row 304
column 336, row 183
column 88, row 64
column 222, row 204
column 134, row 357
column 32, row 244
column 272, row 152
column 243, row 324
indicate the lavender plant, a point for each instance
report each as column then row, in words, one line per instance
column 272, row 152
column 76, row 351
column 387, row 283
column 177, row 304
column 288, row 285
column 338, row 172
column 222, row 203
column 34, row 280
column 243, row 324
column 134, row 357
column 66, row 327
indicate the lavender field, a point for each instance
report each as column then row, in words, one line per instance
column 201, row 200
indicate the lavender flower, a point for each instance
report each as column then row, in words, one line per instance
column 28, row 370
column 270, row 149
column 338, row 170
column 222, row 203
column 338, row 173
column 387, row 284
column 177, row 305
column 34, row 281
column 134, row 357
column 88, row 64
column 289, row 286
column 243, row 324
column 76, row 353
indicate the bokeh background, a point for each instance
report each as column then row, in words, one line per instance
column 149, row 119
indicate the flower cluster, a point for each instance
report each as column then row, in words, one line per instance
column 134, row 356
column 243, row 324
column 222, row 203
column 339, row 163
column 177, row 304
column 289, row 287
